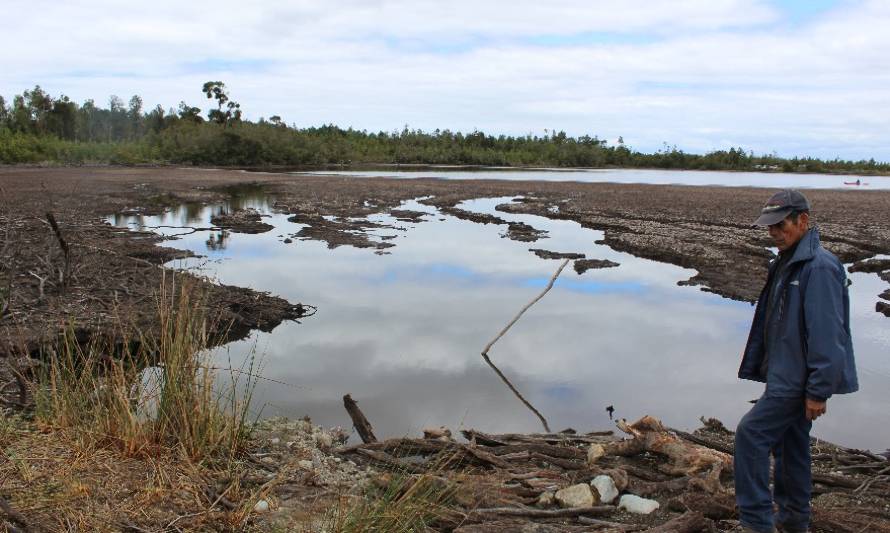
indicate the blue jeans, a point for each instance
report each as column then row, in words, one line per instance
column 780, row 426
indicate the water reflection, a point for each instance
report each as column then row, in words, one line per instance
column 634, row 175
column 402, row 332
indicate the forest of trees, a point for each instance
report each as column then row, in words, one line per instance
column 38, row 128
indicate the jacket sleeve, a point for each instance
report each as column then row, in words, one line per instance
column 826, row 333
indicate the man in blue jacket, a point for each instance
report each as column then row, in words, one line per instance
column 800, row 346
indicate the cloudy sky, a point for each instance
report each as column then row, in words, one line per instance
column 796, row 77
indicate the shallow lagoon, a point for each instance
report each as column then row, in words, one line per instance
column 402, row 331
column 636, row 175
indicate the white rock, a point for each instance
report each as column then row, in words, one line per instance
column 606, row 488
column 634, row 504
column 578, row 495
column 261, row 506
column 275, row 440
column 546, row 499
column 594, row 453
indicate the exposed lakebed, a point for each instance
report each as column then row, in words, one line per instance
column 400, row 324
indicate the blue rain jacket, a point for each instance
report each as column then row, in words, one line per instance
column 806, row 335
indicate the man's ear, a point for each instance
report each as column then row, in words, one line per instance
column 805, row 219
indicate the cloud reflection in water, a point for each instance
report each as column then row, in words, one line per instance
column 402, row 332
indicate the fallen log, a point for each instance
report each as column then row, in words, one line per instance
column 565, row 464
column 529, row 512
column 562, row 452
column 708, row 443
column 488, row 439
column 715, row 507
column 388, row 461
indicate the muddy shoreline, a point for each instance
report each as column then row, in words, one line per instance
column 112, row 274
column 113, row 271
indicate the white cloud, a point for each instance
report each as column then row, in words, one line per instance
column 698, row 74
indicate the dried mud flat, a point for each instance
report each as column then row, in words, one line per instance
column 74, row 268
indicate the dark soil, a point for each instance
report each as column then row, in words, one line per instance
column 241, row 221
column 547, row 254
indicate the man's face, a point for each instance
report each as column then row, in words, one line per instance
column 786, row 233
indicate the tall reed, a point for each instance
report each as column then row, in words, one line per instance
column 97, row 388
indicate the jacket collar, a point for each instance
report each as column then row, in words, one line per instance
column 807, row 246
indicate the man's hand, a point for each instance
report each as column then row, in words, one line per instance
column 815, row 409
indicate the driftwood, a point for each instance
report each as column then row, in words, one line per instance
column 605, row 524
column 530, row 512
column 501, row 334
column 689, row 522
column 489, row 439
column 715, row 507
column 391, row 449
column 500, row 480
column 358, row 420
column 516, row 525
column 649, row 435
column 387, row 461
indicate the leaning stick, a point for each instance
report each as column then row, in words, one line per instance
column 507, row 327
column 358, row 420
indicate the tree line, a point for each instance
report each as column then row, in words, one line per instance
column 36, row 127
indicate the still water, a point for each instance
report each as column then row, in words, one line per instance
column 402, row 331
column 658, row 177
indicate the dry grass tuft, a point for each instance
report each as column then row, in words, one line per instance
column 99, row 390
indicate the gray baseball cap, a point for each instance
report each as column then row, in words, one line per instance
column 780, row 205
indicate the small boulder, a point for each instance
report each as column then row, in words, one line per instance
column 636, row 505
column 605, row 487
column 594, row 453
column 579, row 495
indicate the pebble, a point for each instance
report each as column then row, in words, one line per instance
column 261, row 506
